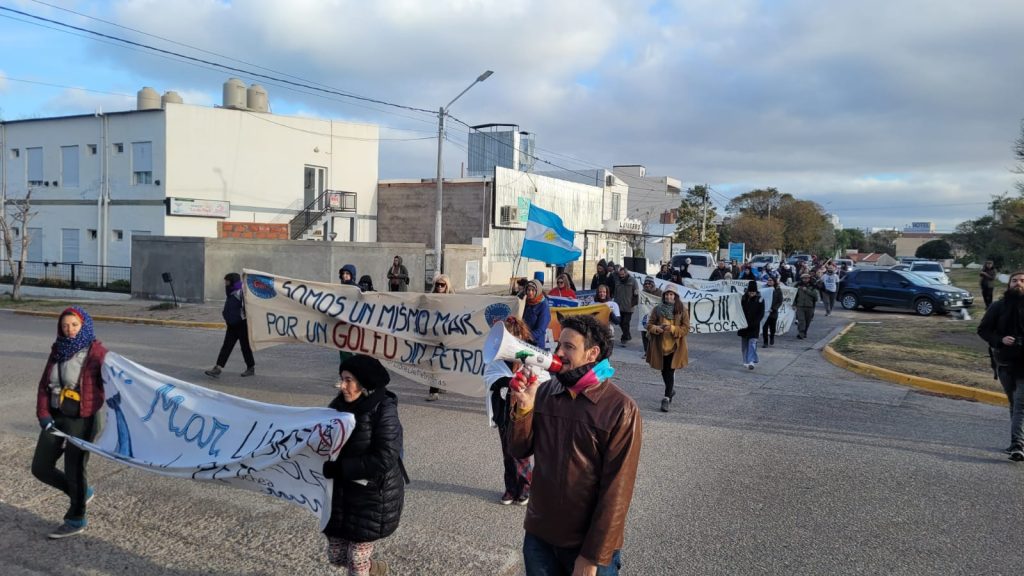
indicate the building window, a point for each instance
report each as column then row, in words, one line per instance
column 142, row 163
column 118, row 148
column 616, row 205
column 117, row 235
column 92, row 233
column 69, row 166
column 35, row 166
column 92, row 149
column 15, row 153
column 69, row 245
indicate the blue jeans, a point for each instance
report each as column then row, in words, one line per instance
column 750, row 350
column 543, row 559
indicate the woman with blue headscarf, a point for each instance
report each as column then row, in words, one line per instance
column 69, row 399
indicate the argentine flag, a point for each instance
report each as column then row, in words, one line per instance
column 547, row 239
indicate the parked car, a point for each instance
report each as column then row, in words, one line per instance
column 702, row 263
column 904, row 267
column 795, row 258
column 762, row 259
column 850, row 264
column 930, row 269
column 900, row 289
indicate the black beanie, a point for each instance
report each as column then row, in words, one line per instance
column 752, row 286
column 370, row 373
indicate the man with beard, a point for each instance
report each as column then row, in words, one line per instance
column 584, row 434
column 1003, row 329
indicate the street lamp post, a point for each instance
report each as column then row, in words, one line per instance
column 440, row 173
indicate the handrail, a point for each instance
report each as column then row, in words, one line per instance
column 315, row 210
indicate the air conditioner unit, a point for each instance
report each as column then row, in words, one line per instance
column 609, row 180
column 509, row 215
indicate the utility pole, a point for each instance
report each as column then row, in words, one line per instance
column 704, row 217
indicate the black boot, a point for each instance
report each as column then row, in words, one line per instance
column 772, row 341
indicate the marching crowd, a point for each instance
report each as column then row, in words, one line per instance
column 570, row 440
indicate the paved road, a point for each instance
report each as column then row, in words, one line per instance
column 794, row 468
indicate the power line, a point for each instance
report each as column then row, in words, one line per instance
column 65, row 86
column 215, row 64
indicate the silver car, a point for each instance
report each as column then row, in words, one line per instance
column 931, row 270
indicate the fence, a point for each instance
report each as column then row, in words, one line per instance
column 72, row 275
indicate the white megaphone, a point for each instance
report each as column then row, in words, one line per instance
column 502, row 345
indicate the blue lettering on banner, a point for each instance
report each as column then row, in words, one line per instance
column 282, row 325
column 316, row 332
column 196, row 423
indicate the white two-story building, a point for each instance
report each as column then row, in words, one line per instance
column 173, row 169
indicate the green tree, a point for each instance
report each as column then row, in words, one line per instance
column 694, row 219
column 937, row 249
column 761, row 202
column 849, row 238
column 759, row 234
column 803, row 222
column 1018, row 153
column 882, row 241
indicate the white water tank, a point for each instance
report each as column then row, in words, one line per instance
column 171, row 97
column 234, row 94
column 148, row 99
column 256, row 96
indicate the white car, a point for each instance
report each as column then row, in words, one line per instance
column 850, row 264
column 931, row 270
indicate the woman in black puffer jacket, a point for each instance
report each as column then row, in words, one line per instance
column 369, row 487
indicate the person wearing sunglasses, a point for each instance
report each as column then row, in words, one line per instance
column 442, row 285
column 563, row 288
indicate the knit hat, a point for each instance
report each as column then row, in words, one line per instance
column 648, row 279
column 370, row 373
column 752, row 286
column 536, row 286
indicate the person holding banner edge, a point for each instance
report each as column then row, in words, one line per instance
column 585, row 435
column 369, row 479
column 627, row 296
column 667, row 328
column 442, row 285
column 770, row 325
column 69, row 397
column 537, row 313
column 237, row 330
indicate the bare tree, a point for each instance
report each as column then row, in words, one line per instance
column 14, row 219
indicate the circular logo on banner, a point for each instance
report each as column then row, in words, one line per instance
column 261, row 286
column 496, row 313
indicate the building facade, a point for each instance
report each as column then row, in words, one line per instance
column 173, row 169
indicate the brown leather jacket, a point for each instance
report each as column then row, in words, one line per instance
column 586, row 451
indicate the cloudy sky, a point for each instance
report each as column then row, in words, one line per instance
column 883, row 111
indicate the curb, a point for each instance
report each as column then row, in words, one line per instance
column 938, row 386
column 129, row 320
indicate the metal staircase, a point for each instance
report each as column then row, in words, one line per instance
column 308, row 223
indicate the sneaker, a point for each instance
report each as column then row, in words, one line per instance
column 523, row 499
column 378, row 568
column 68, row 528
column 507, row 498
column 249, row 372
column 89, row 494
column 750, row 366
column 213, row 372
column 1017, row 455
column 1008, row 449
column 664, row 404
column 433, row 396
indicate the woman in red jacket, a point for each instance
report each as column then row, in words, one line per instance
column 70, row 396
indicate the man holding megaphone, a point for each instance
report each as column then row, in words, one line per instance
column 584, row 434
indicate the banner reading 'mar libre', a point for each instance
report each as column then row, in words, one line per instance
column 435, row 339
column 174, row 428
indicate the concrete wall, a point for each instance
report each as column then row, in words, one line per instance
column 182, row 257
column 456, row 258
column 198, row 265
column 406, row 210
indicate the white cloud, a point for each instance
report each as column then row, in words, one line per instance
column 822, row 100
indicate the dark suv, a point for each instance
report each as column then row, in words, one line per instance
column 900, row 289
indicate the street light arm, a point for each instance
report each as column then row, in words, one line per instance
column 479, row 79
